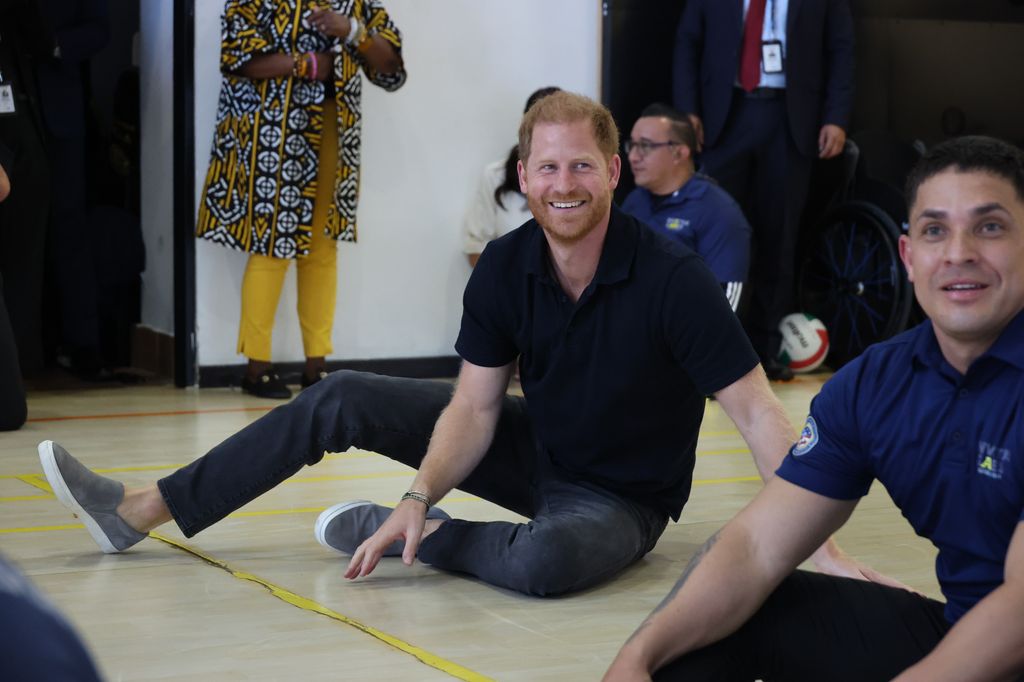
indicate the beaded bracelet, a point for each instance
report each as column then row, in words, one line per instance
column 418, row 496
column 299, row 65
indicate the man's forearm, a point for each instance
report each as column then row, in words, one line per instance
column 719, row 590
column 770, row 439
column 761, row 421
column 461, row 437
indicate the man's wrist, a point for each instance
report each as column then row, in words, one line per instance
column 418, row 496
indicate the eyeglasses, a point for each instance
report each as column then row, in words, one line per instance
column 643, row 147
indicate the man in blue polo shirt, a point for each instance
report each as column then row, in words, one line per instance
column 680, row 203
column 937, row 416
column 620, row 333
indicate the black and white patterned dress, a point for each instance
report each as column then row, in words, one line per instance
column 261, row 184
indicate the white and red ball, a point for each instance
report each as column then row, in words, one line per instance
column 804, row 342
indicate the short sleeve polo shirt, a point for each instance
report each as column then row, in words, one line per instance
column 949, row 448
column 703, row 216
column 614, row 383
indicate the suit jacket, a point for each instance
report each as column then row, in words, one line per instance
column 80, row 31
column 819, row 65
column 25, row 41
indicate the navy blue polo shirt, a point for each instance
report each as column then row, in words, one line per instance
column 948, row 448
column 614, row 383
column 703, row 216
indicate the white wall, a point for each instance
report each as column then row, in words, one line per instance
column 156, row 83
column 471, row 65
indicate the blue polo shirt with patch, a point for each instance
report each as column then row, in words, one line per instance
column 948, row 448
column 703, row 216
column 615, row 382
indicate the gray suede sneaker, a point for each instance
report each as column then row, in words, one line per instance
column 345, row 526
column 90, row 497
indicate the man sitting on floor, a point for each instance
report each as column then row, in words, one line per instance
column 935, row 414
column 620, row 333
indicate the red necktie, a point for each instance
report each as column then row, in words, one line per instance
column 750, row 54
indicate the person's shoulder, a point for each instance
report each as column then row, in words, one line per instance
column 512, row 246
column 635, row 197
column 659, row 254
column 880, row 364
column 714, row 193
column 897, row 347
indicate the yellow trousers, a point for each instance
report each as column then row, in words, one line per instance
column 317, row 273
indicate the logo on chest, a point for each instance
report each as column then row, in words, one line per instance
column 992, row 460
column 676, row 224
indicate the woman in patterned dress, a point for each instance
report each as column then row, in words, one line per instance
column 283, row 180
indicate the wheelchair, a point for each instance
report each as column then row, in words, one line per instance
column 849, row 273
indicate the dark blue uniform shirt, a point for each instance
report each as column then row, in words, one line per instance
column 614, row 383
column 948, row 448
column 703, row 216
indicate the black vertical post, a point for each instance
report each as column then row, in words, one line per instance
column 638, row 40
column 184, row 195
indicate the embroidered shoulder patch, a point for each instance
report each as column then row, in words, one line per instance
column 808, row 438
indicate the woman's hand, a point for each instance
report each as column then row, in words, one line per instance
column 329, row 23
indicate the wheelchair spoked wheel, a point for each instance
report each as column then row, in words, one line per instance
column 852, row 279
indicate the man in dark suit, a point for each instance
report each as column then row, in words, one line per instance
column 25, row 40
column 80, row 30
column 770, row 84
column 13, row 409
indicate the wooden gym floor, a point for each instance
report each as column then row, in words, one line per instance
column 256, row 598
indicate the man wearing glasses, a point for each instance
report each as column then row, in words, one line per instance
column 675, row 200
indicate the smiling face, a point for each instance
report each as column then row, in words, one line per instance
column 567, row 181
column 965, row 255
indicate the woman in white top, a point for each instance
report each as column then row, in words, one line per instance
column 497, row 207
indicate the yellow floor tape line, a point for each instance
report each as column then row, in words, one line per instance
column 455, row 670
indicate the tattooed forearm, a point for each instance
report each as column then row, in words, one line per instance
column 696, row 559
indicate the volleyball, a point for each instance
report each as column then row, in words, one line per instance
column 804, row 342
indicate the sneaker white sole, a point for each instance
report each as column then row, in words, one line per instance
column 327, row 515
column 60, row 489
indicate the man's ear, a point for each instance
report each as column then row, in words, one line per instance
column 905, row 256
column 521, row 170
column 614, row 171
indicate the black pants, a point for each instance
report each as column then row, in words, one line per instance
column 757, row 162
column 70, row 246
column 23, row 220
column 12, row 394
column 816, row 627
column 579, row 535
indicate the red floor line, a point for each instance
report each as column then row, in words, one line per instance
column 125, row 415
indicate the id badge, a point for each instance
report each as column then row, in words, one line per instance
column 6, row 99
column 771, row 56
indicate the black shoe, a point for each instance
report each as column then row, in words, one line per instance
column 266, row 385
column 85, row 363
column 307, row 382
column 777, row 371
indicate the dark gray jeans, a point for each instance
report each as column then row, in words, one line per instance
column 579, row 534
